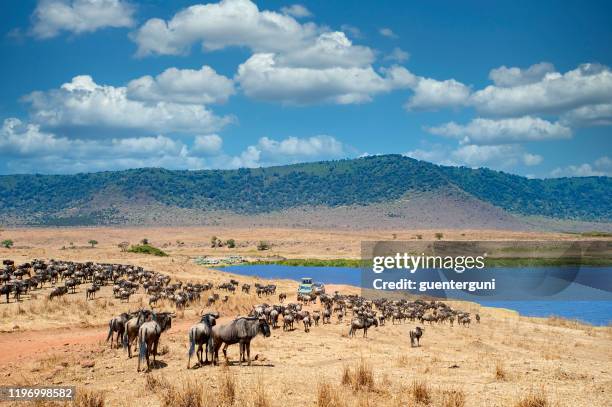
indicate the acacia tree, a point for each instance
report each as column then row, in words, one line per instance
column 93, row 242
column 439, row 235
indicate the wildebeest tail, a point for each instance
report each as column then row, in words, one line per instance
column 191, row 343
column 142, row 347
column 110, row 330
column 124, row 340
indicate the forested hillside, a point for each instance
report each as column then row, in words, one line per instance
column 334, row 183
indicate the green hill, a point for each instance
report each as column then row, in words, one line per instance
column 363, row 181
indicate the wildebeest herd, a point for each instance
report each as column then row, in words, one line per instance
column 144, row 327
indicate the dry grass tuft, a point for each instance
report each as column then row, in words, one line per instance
column 187, row 393
column 88, row 398
column 420, row 392
column 260, row 397
column 452, row 398
column 500, row 371
column 361, row 378
column 227, row 388
column 533, row 400
column 328, row 396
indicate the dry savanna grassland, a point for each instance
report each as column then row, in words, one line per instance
column 505, row 360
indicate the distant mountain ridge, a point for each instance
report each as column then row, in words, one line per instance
column 95, row 198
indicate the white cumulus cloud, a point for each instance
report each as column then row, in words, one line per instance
column 296, row 10
column 502, row 131
column 207, row 144
column 554, row 93
column 499, row 157
column 431, row 94
column 29, row 149
column 84, row 103
column 79, row 16
column 203, row 86
column 290, row 150
column 219, row 25
column 514, row 76
column 260, row 77
column 387, row 32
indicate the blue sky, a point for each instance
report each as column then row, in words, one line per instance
column 90, row 85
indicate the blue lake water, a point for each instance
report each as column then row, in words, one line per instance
column 596, row 312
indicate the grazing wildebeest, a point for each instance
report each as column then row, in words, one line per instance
column 282, row 297
column 288, row 322
column 90, row 294
column 316, row 315
column 6, row 290
column 58, row 292
column 242, row 330
column 200, row 334
column 359, row 323
column 246, row 288
column 327, row 316
column 117, row 324
column 307, row 323
column 131, row 329
column 415, row 336
column 274, row 318
column 478, row 318
column 148, row 336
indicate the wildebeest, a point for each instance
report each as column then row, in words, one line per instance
column 478, row 318
column 148, row 336
column 242, row 330
column 200, row 334
column 131, row 329
column 6, row 290
column 288, row 322
column 117, row 324
column 91, row 292
column 359, row 323
column 415, row 336
column 58, row 292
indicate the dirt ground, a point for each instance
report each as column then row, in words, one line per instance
column 503, row 361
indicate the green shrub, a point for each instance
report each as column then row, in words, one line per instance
column 147, row 249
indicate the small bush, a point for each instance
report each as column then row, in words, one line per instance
column 215, row 242
column 231, row 243
column 147, row 249
column 7, row 243
column 439, row 235
column 263, row 246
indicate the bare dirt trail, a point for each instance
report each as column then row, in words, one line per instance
column 23, row 346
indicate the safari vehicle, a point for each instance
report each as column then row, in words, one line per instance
column 305, row 286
